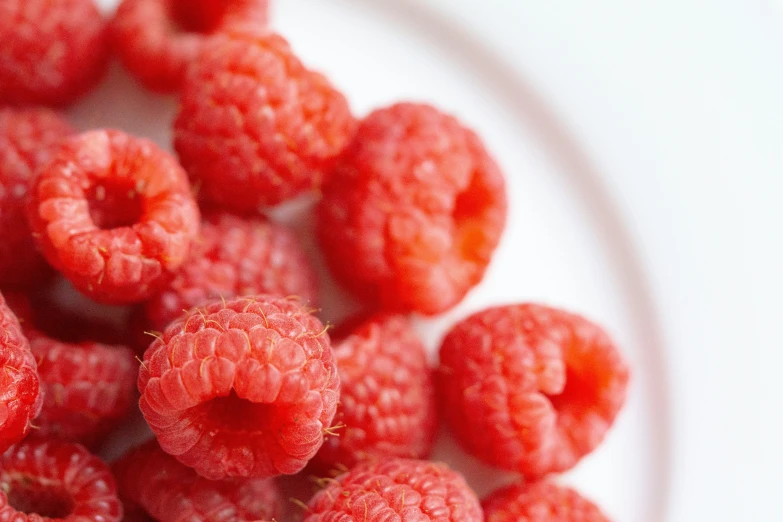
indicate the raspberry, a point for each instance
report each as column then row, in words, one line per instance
column 396, row 489
column 243, row 388
column 530, row 388
column 387, row 397
column 55, row 480
column 88, row 388
column 53, row 51
column 27, row 138
column 236, row 256
column 413, row 211
column 540, row 502
column 158, row 39
column 115, row 214
column 20, row 399
column 170, row 491
column 255, row 127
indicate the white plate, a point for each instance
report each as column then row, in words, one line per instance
column 564, row 245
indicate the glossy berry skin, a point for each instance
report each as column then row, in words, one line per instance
column 88, row 388
column 530, row 388
column 20, row 396
column 413, row 211
column 114, row 214
column 27, row 140
column 540, row 502
column 53, row 51
column 53, row 480
column 396, row 489
column 387, row 398
column 235, row 256
column 256, row 127
column 241, row 388
column 169, row 491
column 157, row 40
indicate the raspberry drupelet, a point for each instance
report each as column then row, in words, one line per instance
column 235, row 256
column 530, row 388
column 114, row 214
column 413, row 211
column 27, row 139
column 165, row 489
column 157, row 40
column 20, row 396
column 56, row 481
column 88, row 388
column 396, row 489
column 540, row 502
column 241, row 388
column 53, row 51
column 255, row 127
column 387, row 398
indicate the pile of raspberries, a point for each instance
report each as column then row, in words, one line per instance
column 196, row 306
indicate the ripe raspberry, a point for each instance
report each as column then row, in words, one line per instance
column 55, row 480
column 411, row 215
column 169, row 491
column 27, row 138
column 115, row 214
column 255, row 126
column 88, row 388
column 530, row 388
column 53, row 51
column 158, row 39
column 243, row 388
column 396, row 489
column 540, row 502
column 233, row 257
column 387, row 397
column 20, row 399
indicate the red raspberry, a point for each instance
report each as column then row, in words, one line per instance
column 530, row 388
column 158, row 39
column 169, row 491
column 20, row 399
column 53, row 51
column 255, row 126
column 414, row 210
column 243, row 388
column 55, row 480
column 115, row 214
column 540, row 502
column 88, row 388
column 27, row 138
column 387, row 397
column 396, row 489
column 233, row 257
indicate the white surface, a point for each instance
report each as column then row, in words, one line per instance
column 679, row 108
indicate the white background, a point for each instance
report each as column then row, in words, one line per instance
column 680, row 105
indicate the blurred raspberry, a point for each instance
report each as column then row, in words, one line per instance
column 530, row 388
column 20, row 397
column 396, row 489
column 255, row 127
column 88, row 388
column 242, row 388
column 115, row 214
column 154, row 481
column 413, row 211
column 52, row 51
column 27, row 139
column 387, row 397
column 540, row 502
column 157, row 40
column 235, row 256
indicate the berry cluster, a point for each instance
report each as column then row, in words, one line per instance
column 110, row 244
